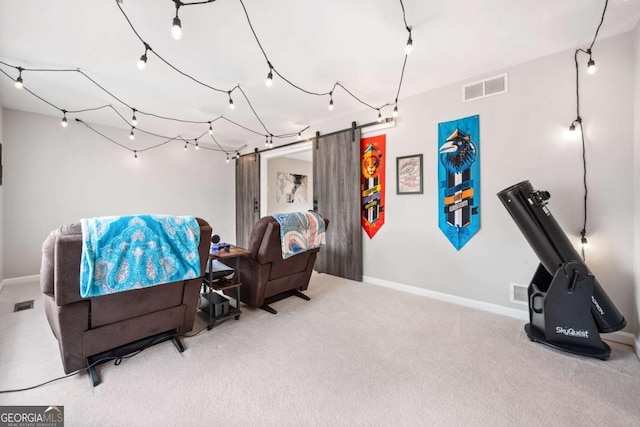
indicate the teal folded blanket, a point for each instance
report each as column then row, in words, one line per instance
column 300, row 231
column 120, row 253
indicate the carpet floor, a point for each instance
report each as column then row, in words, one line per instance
column 355, row 355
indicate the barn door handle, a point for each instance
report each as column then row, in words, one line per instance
column 255, row 205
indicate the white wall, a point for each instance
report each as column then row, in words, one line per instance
column 1, row 209
column 522, row 137
column 55, row 176
column 288, row 165
column 636, row 162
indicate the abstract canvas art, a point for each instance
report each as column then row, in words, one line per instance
column 291, row 188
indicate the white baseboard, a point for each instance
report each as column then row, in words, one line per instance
column 619, row 337
column 19, row 281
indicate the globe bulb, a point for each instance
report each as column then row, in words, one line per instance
column 591, row 66
column 176, row 29
column 409, row 47
column 19, row 84
column 142, row 62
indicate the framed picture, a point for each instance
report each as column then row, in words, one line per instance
column 409, row 174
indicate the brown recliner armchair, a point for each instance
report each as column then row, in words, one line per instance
column 265, row 276
column 88, row 327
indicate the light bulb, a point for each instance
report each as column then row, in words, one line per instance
column 572, row 128
column 231, row 104
column 210, row 129
column 584, row 242
column 134, row 120
column 19, row 84
column 395, row 111
column 299, row 135
column 197, row 146
column 269, row 81
column 227, row 158
column 142, row 62
column 64, row 122
column 266, row 141
column 379, row 116
column 176, row 29
column 331, row 104
column 591, row 66
column 409, row 47
column 185, row 146
column 131, row 135
column 135, row 154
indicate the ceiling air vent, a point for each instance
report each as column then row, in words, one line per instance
column 488, row 87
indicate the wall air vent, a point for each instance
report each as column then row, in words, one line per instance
column 519, row 294
column 487, row 87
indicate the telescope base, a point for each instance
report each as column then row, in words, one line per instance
column 535, row 335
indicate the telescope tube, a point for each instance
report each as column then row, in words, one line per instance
column 528, row 208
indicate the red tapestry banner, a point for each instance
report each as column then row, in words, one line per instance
column 372, row 183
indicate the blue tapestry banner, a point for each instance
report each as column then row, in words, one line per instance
column 459, row 179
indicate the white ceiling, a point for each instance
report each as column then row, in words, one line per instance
column 313, row 43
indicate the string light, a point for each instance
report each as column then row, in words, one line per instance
column 591, row 68
column 135, row 154
column 227, row 157
column 231, row 104
column 266, row 141
column 142, row 62
column 395, row 111
column 409, row 46
column 572, row 128
column 176, row 29
column 131, row 135
column 272, row 68
column 379, row 116
column 185, row 146
column 19, row 84
column 269, row 81
column 299, row 135
column 197, row 146
column 134, row 120
column 210, row 129
column 64, row 122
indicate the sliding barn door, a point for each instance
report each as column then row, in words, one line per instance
column 336, row 190
column 247, row 197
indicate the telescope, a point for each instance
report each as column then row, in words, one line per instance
column 567, row 306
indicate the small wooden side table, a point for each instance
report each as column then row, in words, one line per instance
column 225, row 254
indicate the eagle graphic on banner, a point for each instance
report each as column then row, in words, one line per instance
column 459, row 177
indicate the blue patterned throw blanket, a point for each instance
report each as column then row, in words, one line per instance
column 120, row 253
column 300, row 231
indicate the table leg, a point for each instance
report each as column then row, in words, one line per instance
column 210, row 325
column 238, row 287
